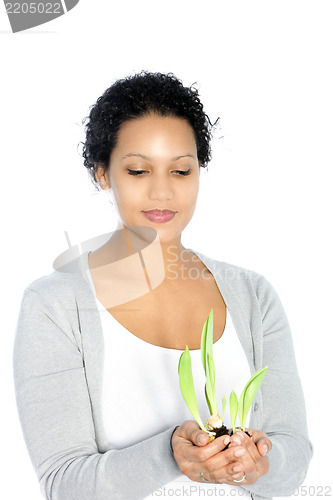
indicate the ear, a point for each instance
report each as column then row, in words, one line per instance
column 102, row 177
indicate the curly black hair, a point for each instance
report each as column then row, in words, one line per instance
column 137, row 96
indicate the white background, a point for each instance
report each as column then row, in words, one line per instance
column 265, row 68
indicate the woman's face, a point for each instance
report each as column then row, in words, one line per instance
column 155, row 166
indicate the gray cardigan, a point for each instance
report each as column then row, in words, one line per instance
column 58, row 356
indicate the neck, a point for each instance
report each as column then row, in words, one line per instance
column 138, row 265
column 176, row 259
column 156, row 253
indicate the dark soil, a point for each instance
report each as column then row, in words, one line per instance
column 222, row 431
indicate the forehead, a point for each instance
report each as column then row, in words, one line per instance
column 156, row 131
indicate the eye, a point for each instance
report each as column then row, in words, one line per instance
column 140, row 172
column 135, row 172
column 183, row 172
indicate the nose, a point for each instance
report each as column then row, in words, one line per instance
column 160, row 187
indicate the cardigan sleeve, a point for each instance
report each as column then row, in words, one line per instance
column 284, row 413
column 56, row 417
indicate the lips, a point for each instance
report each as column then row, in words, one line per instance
column 159, row 215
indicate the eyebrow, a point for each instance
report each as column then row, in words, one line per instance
column 147, row 158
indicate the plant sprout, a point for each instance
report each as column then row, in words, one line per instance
column 209, row 367
column 187, row 386
column 224, row 402
column 233, row 410
column 242, row 406
column 248, row 394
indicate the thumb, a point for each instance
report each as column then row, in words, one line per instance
column 263, row 446
column 201, row 438
column 191, row 431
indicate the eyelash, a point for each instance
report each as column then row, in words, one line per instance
column 139, row 172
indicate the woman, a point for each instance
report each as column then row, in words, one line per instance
column 98, row 341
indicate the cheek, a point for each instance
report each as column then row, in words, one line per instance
column 126, row 197
column 191, row 193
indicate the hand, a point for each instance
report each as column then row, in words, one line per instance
column 261, row 440
column 194, row 454
column 255, row 462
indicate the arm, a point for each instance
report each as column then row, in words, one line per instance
column 56, row 417
column 284, row 418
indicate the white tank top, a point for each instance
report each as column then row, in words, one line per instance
column 141, row 395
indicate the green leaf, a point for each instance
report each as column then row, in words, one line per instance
column 248, row 394
column 224, row 402
column 233, row 410
column 210, row 385
column 208, row 363
column 187, row 386
column 206, row 342
column 208, row 401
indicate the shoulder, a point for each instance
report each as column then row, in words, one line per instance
column 60, row 285
column 240, row 281
column 231, row 272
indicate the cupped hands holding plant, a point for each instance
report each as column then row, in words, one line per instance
column 211, row 452
column 204, row 461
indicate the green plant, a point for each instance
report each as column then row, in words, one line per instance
column 241, row 406
column 224, row 402
column 233, row 410
column 187, row 386
column 248, row 394
column 209, row 367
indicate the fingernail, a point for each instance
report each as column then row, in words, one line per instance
column 201, row 439
column 265, row 448
column 227, row 440
column 240, row 453
column 237, row 468
column 236, row 440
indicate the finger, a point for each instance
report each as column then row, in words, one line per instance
column 255, row 465
column 185, row 449
column 248, row 443
column 228, row 457
column 226, row 474
column 199, row 438
column 192, row 459
column 188, row 429
column 249, row 458
column 191, row 432
column 236, row 439
column 260, row 436
column 204, row 453
column 263, row 443
column 263, row 447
